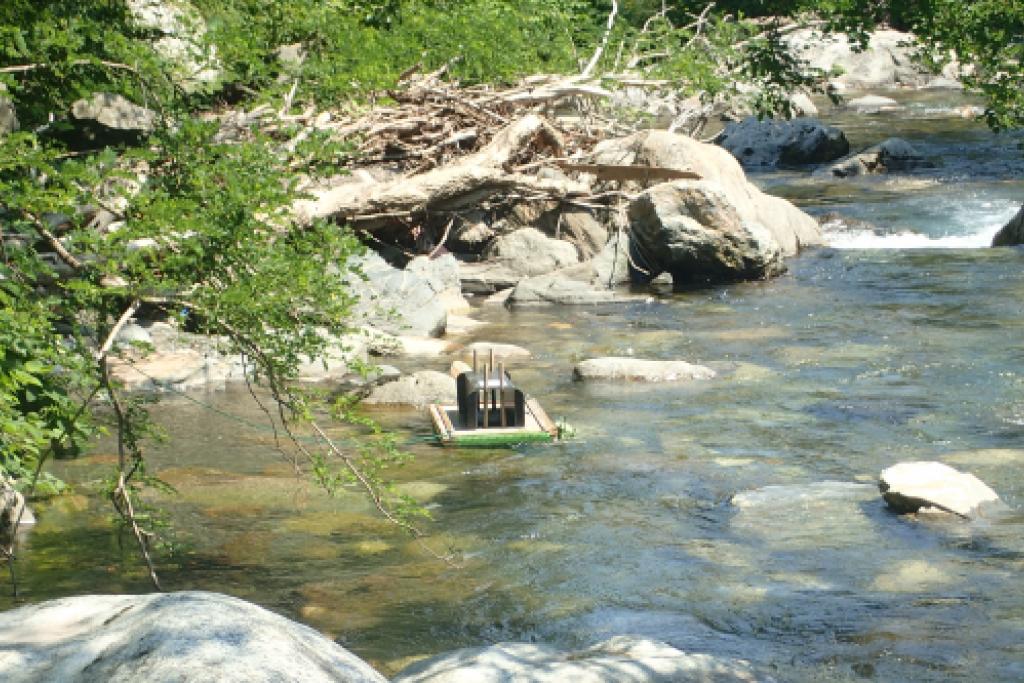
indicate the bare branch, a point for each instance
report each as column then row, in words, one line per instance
column 588, row 70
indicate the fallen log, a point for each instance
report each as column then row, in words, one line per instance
column 462, row 184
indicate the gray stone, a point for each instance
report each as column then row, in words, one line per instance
column 888, row 61
column 873, row 104
column 1012, row 233
column 528, row 252
column 418, row 389
column 801, row 105
column 181, row 40
column 133, row 334
column 792, row 228
column 401, row 301
column 570, row 287
column 502, row 352
column 768, row 142
column 640, row 370
column 923, row 485
column 487, row 277
column 13, row 511
column 165, row 637
column 582, row 229
column 8, row 116
column 107, row 118
column 892, row 154
column 611, row 265
column 690, row 229
column 622, row 659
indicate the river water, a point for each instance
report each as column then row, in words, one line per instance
column 738, row 517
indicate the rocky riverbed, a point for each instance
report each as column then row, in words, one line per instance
column 731, row 521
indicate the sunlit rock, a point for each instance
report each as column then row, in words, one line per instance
column 417, row 389
column 163, row 637
column 928, row 486
column 626, row 659
column 640, row 370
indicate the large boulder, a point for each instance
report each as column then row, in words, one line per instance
column 767, row 142
column 640, row 370
column 791, row 228
column 528, row 252
column 180, row 38
column 887, row 62
column 892, row 154
column 570, row 287
column 928, row 485
column 165, row 637
column 108, row 119
column 1012, row 233
column 418, row 389
column 625, row 659
column 403, row 301
column 690, row 229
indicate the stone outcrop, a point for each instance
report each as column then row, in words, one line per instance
column 790, row 227
column 1012, row 233
column 690, row 229
column 165, row 637
column 528, row 252
column 766, row 142
column 180, row 39
column 624, row 659
column 108, row 119
column 924, row 486
column 418, row 389
column 640, row 370
column 404, row 301
column 886, row 63
column 892, row 154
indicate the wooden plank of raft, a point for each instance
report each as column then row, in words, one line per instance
column 441, row 425
column 542, row 418
column 629, row 172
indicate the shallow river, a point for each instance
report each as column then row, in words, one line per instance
column 738, row 517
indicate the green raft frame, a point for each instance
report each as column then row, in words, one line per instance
column 539, row 428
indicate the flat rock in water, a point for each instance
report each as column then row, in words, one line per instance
column 872, row 104
column 640, row 370
column 919, row 485
column 501, row 351
column 165, row 637
column 625, row 659
column 418, row 389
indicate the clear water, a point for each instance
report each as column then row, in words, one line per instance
column 737, row 517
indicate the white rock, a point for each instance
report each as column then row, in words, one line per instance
column 160, row 638
column 622, row 659
column 919, row 485
column 872, row 104
column 640, row 370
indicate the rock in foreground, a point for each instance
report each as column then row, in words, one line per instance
column 915, row 486
column 188, row 636
column 624, row 659
column 640, row 370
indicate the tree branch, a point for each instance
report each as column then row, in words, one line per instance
column 588, row 70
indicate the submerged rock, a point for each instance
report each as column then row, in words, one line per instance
column 892, row 154
column 873, row 104
column 159, row 638
column 767, row 142
column 924, row 485
column 418, row 389
column 1012, row 233
column 501, row 352
column 621, row 659
column 640, row 370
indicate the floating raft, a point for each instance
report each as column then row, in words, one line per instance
column 537, row 427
